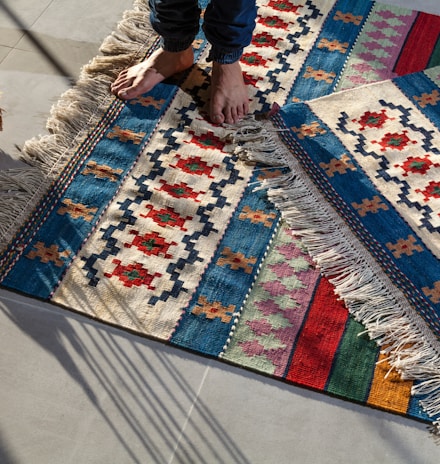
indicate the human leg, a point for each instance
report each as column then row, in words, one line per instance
column 177, row 22
column 228, row 26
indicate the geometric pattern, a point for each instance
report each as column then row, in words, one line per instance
column 272, row 316
column 155, row 224
column 400, row 156
column 377, row 47
column 384, row 255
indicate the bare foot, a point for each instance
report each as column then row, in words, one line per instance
column 142, row 77
column 229, row 95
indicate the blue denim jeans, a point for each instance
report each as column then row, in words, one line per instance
column 228, row 25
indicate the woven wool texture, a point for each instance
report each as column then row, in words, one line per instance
column 152, row 221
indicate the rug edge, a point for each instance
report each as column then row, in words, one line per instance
column 412, row 349
column 78, row 108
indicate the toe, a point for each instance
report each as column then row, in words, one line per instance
column 126, row 93
column 217, row 118
column 230, row 116
column 242, row 112
column 120, row 85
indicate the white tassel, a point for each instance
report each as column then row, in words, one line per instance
column 252, row 143
column 410, row 347
column 76, row 111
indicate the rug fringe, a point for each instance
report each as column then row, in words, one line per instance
column 411, row 348
column 77, row 108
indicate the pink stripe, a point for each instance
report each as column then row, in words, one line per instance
column 398, row 43
column 303, row 297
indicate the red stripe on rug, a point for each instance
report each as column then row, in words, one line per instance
column 319, row 338
column 419, row 46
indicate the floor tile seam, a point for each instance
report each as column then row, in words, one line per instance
column 17, row 48
column 22, row 28
column 41, row 14
column 190, row 411
column 22, row 34
column 11, row 49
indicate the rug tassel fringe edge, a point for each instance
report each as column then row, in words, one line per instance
column 45, row 156
column 410, row 347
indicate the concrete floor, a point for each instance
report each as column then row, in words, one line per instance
column 75, row 391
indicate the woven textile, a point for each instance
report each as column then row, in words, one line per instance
column 363, row 195
column 149, row 220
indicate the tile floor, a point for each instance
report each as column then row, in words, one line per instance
column 74, row 391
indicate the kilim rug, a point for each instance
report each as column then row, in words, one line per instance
column 145, row 216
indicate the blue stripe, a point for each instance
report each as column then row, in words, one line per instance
column 420, row 269
column 414, row 408
column 413, row 86
column 307, row 88
column 223, row 284
column 34, row 277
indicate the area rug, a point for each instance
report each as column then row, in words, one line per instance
column 145, row 216
column 362, row 192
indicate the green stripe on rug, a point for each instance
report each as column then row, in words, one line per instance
column 353, row 367
column 435, row 57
